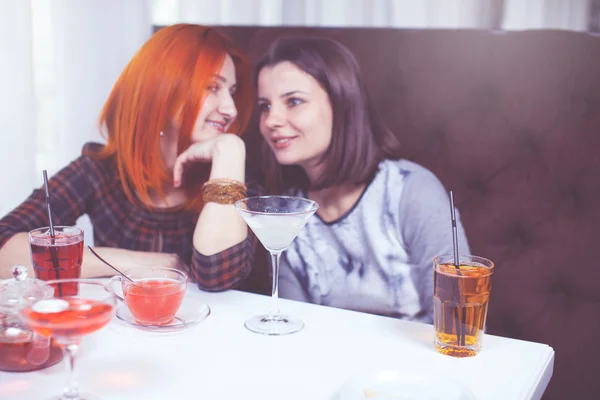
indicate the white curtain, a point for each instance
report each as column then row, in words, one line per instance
column 517, row 14
column 384, row 13
column 546, row 14
column 17, row 103
column 60, row 58
column 80, row 48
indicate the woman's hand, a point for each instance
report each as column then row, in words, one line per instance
column 127, row 259
column 227, row 152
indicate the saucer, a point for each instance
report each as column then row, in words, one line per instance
column 190, row 313
column 400, row 385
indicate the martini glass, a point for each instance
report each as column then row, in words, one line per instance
column 68, row 318
column 276, row 221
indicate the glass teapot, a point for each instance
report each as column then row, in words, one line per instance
column 21, row 349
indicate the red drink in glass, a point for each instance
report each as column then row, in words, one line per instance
column 21, row 349
column 153, row 301
column 22, row 355
column 66, row 318
column 59, row 257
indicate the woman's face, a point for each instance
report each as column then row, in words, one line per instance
column 296, row 117
column 215, row 117
column 218, row 111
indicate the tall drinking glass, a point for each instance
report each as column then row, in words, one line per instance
column 67, row 318
column 57, row 257
column 276, row 221
column 460, row 302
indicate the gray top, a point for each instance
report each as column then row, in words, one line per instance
column 378, row 257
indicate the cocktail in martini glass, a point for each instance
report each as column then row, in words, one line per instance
column 276, row 221
column 67, row 318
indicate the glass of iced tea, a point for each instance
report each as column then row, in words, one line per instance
column 67, row 318
column 460, row 302
column 154, row 294
column 59, row 257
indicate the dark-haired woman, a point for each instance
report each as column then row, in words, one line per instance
column 381, row 219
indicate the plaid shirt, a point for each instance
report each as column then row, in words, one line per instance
column 93, row 187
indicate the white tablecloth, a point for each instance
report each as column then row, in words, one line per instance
column 220, row 359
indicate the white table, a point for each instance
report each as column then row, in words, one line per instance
column 220, row 359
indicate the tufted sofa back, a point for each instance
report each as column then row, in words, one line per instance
column 511, row 123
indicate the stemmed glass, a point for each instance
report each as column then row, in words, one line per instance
column 68, row 318
column 276, row 221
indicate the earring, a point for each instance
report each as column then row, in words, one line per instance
column 161, row 134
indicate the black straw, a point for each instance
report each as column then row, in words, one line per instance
column 454, row 233
column 461, row 314
column 48, row 204
column 106, row 262
column 53, row 254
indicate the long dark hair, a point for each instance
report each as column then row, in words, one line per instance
column 360, row 139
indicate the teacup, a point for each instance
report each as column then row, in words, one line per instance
column 154, row 294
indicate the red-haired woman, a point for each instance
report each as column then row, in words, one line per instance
column 160, row 191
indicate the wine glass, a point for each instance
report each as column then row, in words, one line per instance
column 276, row 221
column 67, row 318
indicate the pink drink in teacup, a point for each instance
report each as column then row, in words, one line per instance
column 153, row 295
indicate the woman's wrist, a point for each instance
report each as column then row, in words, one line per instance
column 229, row 159
column 223, row 191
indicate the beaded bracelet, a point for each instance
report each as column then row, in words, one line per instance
column 223, row 191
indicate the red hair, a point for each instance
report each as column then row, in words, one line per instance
column 170, row 74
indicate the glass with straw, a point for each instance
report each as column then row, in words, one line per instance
column 462, row 285
column 56, row 251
